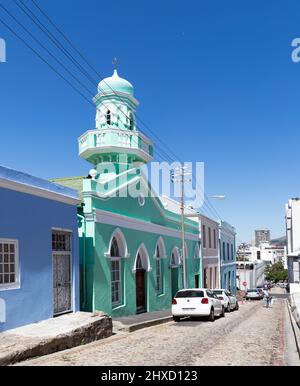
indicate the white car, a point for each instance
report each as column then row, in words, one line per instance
column 228, row 300
column 196, row 302
column 253, row 294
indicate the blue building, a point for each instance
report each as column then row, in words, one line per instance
column 39, row 258
column 227, row 256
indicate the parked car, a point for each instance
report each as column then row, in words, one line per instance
column 253, row 294
column 227, row 298
column 196, row 302
column 261, row 291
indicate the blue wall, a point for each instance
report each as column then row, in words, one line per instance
column 228, row 261
column 30, row 219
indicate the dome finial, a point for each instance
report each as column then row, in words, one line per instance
column 115, row 64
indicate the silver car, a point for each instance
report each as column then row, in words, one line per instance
column 253, row 294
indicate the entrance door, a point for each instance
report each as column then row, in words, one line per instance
column 61, row 257
column 196, row 281
column 140, row 291
column 175, row 286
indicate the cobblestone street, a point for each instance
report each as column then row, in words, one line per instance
column 252, row 336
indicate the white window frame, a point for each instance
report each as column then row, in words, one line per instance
column 120, row 300
column 159, row 278
column 16, row 284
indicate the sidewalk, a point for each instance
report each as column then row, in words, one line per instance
column 136, row 322
column 53, row 335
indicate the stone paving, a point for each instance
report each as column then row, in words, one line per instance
column 251, row 336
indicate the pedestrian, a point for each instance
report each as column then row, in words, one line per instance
column 266, row 299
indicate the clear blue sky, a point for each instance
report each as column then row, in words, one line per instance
column 215, row 81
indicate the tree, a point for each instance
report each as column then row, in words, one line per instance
column 242, row 258
column 276, row 272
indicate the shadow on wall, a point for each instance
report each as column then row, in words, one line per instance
column 86, row 269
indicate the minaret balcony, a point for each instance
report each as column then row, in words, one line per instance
column 94, row 144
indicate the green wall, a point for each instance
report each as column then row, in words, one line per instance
column 97, row 292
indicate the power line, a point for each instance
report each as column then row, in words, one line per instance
column 210, row 206
column 28, row 12
column 44, row 60
column 56, row 42
column 74, row 61
column 45, row 48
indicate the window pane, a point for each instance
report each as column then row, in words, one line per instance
column 190, row 294
column 7, row 263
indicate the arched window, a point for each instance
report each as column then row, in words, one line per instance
column 139, row 263
column 117, row 246
column 142, row 261
column 159, row 283
column 116, row 293
column 131, row 121
column 175, row 260
column 108, row 117
column 114, row 249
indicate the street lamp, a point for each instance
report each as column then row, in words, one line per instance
column 218, row 197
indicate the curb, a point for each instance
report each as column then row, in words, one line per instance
column 138, row 326
column 295, row 328
column 48, row 345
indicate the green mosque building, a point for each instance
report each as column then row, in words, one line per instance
column 130, row 242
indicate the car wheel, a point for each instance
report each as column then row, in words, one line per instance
column 211, row 317
column 223, row 312
column 176, row 318
column 237, row 306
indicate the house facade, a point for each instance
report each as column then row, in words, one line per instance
column 227, row 256
column 292, row 217
column 210, row 252
column 39, row 259
column 130, row 243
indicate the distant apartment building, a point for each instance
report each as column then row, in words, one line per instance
column 292, row 216
column 262, row 236
column 250, row 274
column 210, row 252
column 267, row 252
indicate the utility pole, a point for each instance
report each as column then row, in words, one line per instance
column 180, row 176
column 245, row 276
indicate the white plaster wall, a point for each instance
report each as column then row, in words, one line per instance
column 2, row 311
column 295, row 225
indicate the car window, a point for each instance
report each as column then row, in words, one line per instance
column 217, row 292
column 189, row 294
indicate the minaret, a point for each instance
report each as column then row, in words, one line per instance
column 116, row 139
